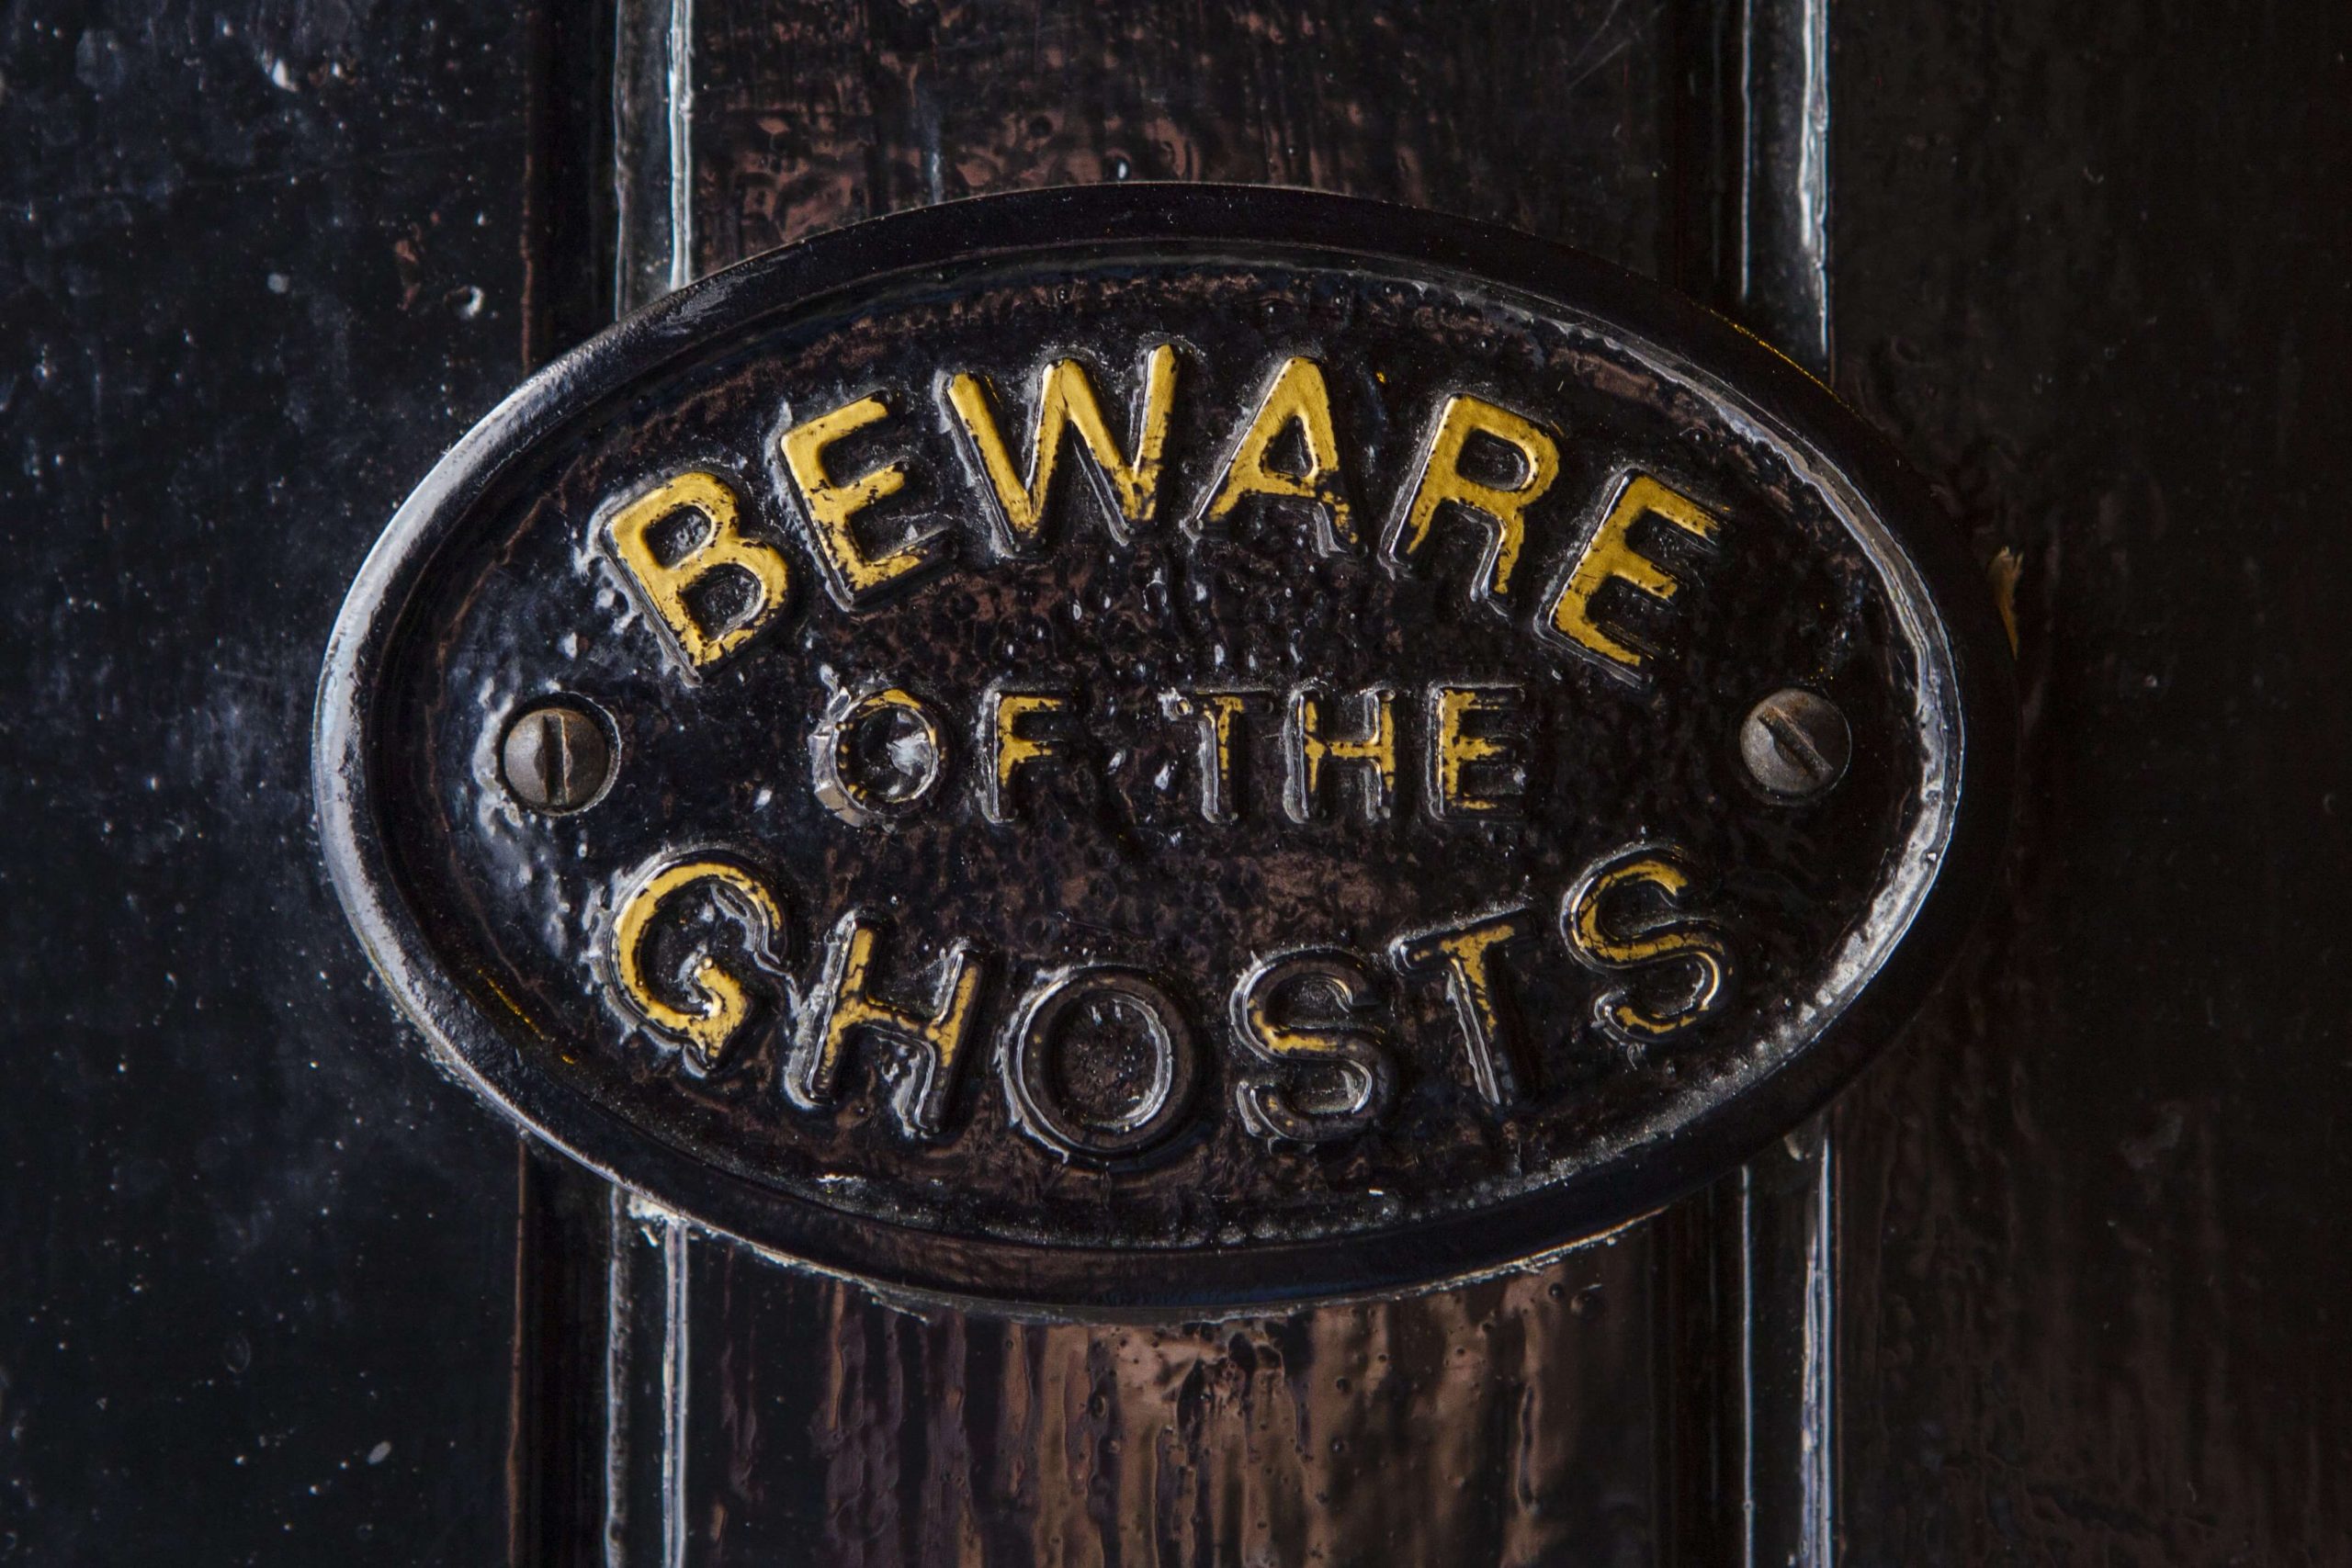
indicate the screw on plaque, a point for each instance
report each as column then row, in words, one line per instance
column 1796, row 744
column 555, row 757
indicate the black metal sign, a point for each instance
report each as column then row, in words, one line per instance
column 1164, row 745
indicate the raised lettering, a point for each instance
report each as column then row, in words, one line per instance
column 853, row 576
column 1010, row 743
column 1129, row 489
column 874, row 755
column 1310, row 747
column 1609, row 556
column 1311, row 1015
column 1214, row 713
column 1466, row 954
column 1501, row 510
column 1475, row 773
column 664, row 589
column 845, row 1004
column 1296, row 396
column 1041, row 1082
column 709, row 1026
column 1667, row 939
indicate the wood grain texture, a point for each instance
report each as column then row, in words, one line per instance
column 2090, row 276
column 1551, row 118
column 1506, row 1424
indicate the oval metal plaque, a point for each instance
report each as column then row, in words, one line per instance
column 1166, row 747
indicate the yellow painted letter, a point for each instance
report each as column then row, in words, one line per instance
column 1305, row 1016
column 845, row 1003
column 1475, row 774
column 851, row 574
column 1311, row 746
column 661, row 587
column 1065, row 401
column 1666, row 940
column 1466, row 955
column 708, row 1027
column 1501, row 508
column 1296, row 396
column 1213, row 713
column 1610, row 554
column 1008, row 747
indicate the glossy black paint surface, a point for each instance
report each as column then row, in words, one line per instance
column 255, row 1253
column 1531, row 1424
column 2086, row 271
column 2091, row 274
column 1827, row 566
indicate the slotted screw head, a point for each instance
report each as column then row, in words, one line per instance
column 555, row 757
column 1796, row 744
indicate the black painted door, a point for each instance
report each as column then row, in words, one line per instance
column 2058, row 1280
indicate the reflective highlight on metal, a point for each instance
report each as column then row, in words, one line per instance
column 1796, row 744
column 1176, row 757
column 556, row 758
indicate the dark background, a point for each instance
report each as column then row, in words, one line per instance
column 258, row 1261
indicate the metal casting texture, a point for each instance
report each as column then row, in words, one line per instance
column 1285, row 836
